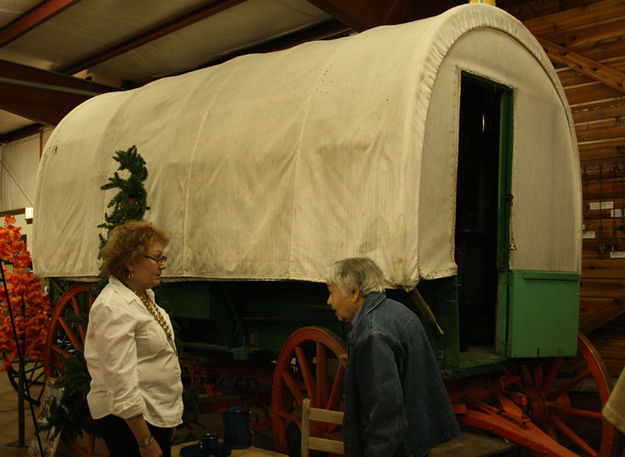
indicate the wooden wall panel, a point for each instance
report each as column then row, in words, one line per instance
column 593, row 32
column 610, row 343
column 598, row 111
column 599, row 130
column 602, row 189
column 574, row 18
column 595, row 149
column 591, row 92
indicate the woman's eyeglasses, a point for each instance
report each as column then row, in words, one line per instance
column 159, row 260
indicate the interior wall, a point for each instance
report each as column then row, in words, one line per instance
column 19, row 169
column 18, row 172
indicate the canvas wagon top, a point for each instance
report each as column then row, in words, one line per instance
column 273, row 166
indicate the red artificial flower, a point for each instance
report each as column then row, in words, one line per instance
column 29, row 305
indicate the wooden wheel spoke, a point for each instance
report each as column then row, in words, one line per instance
column 553, row 372
column 337, row 388
column 527, row 378
column 538, row 376
column 62, row 352
column 70, row 333
column 557, row 422
column 288, row 416
column 566, row 387
column 307, row 376
column 76, row 306
column 293, row 388
column 576, row 412
column 83, row 332
column 322, row 376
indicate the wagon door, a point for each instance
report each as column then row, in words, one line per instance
column 517, row 311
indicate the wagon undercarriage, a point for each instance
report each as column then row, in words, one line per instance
column 540, row 404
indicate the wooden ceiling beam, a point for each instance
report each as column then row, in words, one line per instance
column 530, row 8
column 20, row 72
column 40, row 95
column 361, row 15
column 37, row 15
column 599, row 12
column 161, row 30
column 20, row 133
column 596, row 70
column 590, row 34
column 595, row 33
column 38, row 104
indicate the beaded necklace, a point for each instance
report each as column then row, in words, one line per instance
column 151, row 307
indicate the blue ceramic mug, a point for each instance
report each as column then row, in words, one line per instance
column 209, row 443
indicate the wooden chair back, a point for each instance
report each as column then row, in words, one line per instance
column 316, row 443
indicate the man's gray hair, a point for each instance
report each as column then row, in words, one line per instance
column 356, row 272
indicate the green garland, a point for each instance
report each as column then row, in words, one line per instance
column 130, row 202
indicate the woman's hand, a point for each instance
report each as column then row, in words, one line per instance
column 152, row 449
column 148, row 447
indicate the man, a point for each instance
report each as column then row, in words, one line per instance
column 396, row 404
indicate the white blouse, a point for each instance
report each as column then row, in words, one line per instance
column 134, row 370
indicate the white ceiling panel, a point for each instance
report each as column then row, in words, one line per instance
column 10, row 121
column 12, row 9
column 248, row 23
column 90, row 26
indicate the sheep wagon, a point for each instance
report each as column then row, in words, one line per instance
column 443, row 149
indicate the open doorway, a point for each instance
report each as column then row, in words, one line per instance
column 479, row 219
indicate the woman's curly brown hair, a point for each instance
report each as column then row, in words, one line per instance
column 126, row 243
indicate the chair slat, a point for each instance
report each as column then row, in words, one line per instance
column 326, row 415
column 316, row 443
column 326, row 445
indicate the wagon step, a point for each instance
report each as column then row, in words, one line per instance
column 474, row 445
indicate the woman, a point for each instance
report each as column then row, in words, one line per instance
column 136, row 389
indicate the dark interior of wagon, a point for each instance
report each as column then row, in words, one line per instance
column 476, row 212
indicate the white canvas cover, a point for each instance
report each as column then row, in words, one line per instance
column 274, row 166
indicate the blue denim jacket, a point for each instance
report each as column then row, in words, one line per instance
column 396, row 404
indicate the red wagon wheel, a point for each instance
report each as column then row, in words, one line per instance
column 66, row 335
column 545, row 406
column 311, row 364
column 558, row 405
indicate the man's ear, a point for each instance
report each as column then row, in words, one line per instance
column 356, row 295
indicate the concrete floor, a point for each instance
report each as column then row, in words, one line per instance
column 9, row 424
